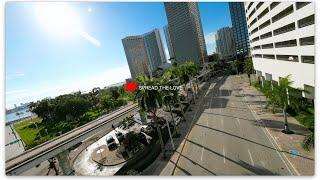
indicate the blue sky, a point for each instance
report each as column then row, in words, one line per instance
column 44, row 58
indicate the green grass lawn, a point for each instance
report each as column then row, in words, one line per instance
column 27, row 130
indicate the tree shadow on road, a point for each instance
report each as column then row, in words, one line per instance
column 245, row 139
column 256, row 170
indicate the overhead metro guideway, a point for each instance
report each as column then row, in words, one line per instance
column 58, row 145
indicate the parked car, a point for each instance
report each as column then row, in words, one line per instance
column 111, row 143
column 120, row 136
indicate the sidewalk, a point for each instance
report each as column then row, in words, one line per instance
column 303, row 163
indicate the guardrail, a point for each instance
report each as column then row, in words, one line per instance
column 11, row 165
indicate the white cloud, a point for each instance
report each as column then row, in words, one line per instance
column 90, row 38
column 101, row 80
column 211, row 42
column 210, row 38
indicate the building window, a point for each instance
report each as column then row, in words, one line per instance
column 266, row 35
column 301, row 4
column 289, row 43
column 265, row 24
column 307, row 59
column 284, row 29
column 264, row 12
column 306, row 21
column 259, row 5
column 256, row 47
column 258, row 55
column 255, row 30
column 282, row 14
column 253, row 21
column 255, row 39
column 288, row 58
column 267, row 46
column 268, row 56
column 274, row 4
column 250, row 6
column 253, row 11
column 307, row 41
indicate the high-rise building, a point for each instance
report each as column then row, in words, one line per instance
column 144, row 53
column 186, row 32
column 282, row 41
column 239, row 28
column 168, row 40
column 225, row 45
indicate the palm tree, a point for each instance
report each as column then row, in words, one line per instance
column 308, row 142
column 150, row 101
column 282, row 99
column 168, row 101
column 235, row 65
column 169, row 79
column 192, row 70
column 248, row 68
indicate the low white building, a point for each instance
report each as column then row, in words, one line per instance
column 281, row 38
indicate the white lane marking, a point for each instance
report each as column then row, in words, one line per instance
column 224, row 155
column 252, row 163
column 238, row 121
column 202, row 153
column 273, row 141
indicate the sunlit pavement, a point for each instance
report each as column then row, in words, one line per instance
column 225, row 138
column 303, row 161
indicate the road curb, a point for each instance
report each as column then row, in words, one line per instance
column 273, row 142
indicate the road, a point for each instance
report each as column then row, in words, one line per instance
column 14, row 146
column 226, row 139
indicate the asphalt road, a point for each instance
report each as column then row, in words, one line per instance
column 226, row 139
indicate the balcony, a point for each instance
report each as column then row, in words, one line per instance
column 267, row 46
column 263, row 13
column 273, row 5
column 306, row 41
column 292, row 58
column 283, row 14
column 265, row 24
column 284, row 29
column 307, row 59
column 268, row 56
column 300, row 5
column 266, row 35
column 290, row 43
column 307, row 21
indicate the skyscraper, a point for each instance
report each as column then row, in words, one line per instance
column 282, row 43
column 144, row 53
column 239, row 27
column 168, row 40
column 225, row 45
column 186, row 32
